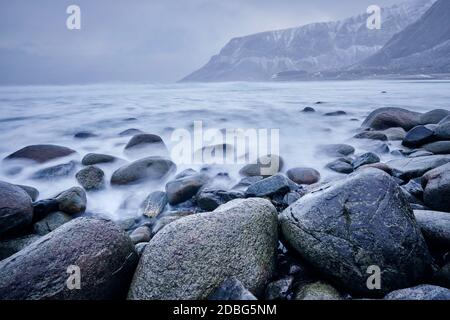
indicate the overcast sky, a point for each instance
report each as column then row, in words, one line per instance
column 140, row 40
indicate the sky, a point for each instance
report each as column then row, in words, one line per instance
column 140, row 40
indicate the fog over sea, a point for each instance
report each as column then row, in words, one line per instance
column 53, row 114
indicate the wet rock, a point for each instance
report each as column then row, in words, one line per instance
column 345, row 228
column 340, row 166
column 277, row 184
column 147, row 169
column 44, row 207
column 395, row 134
column 280, row 289
column 442, row 131
column 247, row 182
column 336, row 150
column 141, row 234
column 385, row 118
column 436, row 184
column 378, row 147
column 16, row 211
column 104, row 254
column 265, row 166
column 439, row 147
column 291, row 197
column 238, row 239
column 91, row 178
column 210, row 198
column 410, row 168
column 371, row 135
column 435, row 227
column 183, row 189
column 420, row 153
column 32, row 192
column 335, row 113
column 185, row 173
column 130, row 132
column 379, row 165
column 414, row 188
column 434, row 116
column 41, row 153
column 418, row 136
column 442, row 276
column 11, row 246
column 231, row 289
column 365, row 159
column 51, row 222
column 97, row 158
column 140, row 247
column 317, row 291
column 154, row 204
column 303, row 175
column 72, row 201
column 55, row 172
column 84, row 135
column 308, row 109
column 168, row 219
column 422, row 292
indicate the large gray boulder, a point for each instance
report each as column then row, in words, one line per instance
column 410, row 168
column 435, row 226
column 434, row 116
column 422, row 292
column 16, row 211
column 384, row 118
column 436, row 184
column 40, row 153
column 104, row 254
column 147, row 169
column 191, row 257
column 348, row 226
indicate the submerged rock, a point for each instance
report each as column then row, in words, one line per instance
column 183, row 189
column 41, row 153
column 238, row 239
column 91, row 178
column 303, row 175
column 16, row 211
column 371, row 135
column 55, row 172
column 103, row 253
column 97, row 158
column 145, row 143
column 336, row 150
column 355, row 223
column 265, row 166
column 385, row 118
column 154, row 204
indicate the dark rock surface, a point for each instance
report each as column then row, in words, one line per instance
column 91, row 178
column 422, row 292
column 147, row 169
column 183, row 189
column 41, row 153
column 97, row 158
column 385, row 118
column 231, row 289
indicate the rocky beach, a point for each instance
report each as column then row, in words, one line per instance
column 372, row 202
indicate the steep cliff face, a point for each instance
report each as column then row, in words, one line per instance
column 310, row 48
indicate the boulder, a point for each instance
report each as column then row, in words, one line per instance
column 147, row 169
column 442, row 131
column 199, row 252
column 385, row 118
column 434, row 116
column 91, row 178
column 51, row 222
column 418, row 136
column 410, row 168
column 183, row 189
column 336, row 150
column 154, row 204
column 141, row 234
column 103, row 253
column 303, row 175
column 439, row 147
column 231, row 289
column 354, row 223
column 55, row 172
column 41, row 153
column 435, row 227
column 210, row 198
column 395, row 134
column 277, row 184
column 378, row 165
column 44, row 207
column 96, row 158
column 422, row 292
column 436, row 184
column 365, row 159
column 265, row 166
column 16, row 211
column 72, row 201
column 11, row 246
column 317, row 291
column 32, row 192
column 146, row 144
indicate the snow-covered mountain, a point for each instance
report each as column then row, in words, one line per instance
column 422, row 47
column 310, row 48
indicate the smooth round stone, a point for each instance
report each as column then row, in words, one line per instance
column 303, row 175
column 41, row 153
